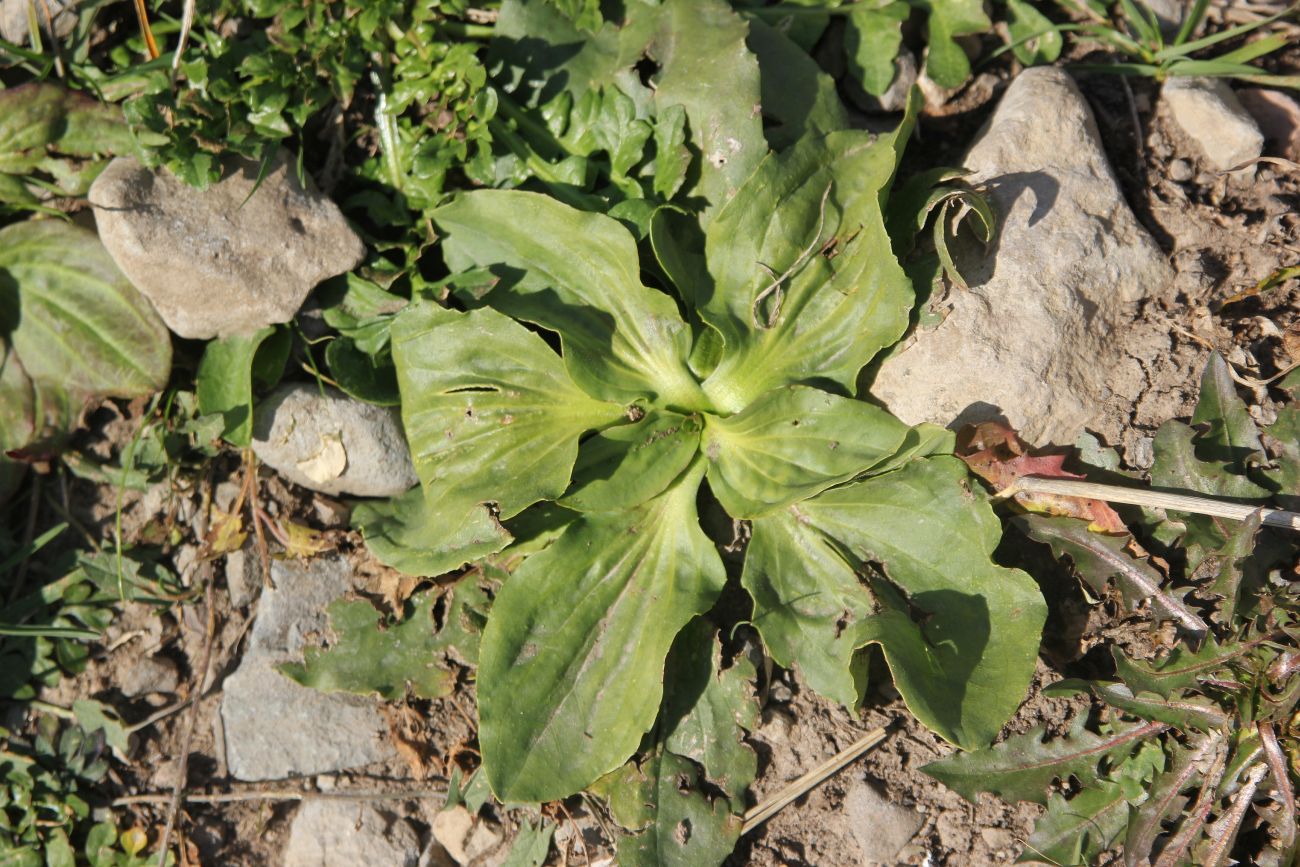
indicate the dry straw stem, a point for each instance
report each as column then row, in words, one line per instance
column 798, row 788
column 1155, row 500
column 281, row 795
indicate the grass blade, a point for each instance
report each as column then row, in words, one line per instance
column 31, row 547
column 1191, row 20
column 1143, row 21
column 1222, row 36
column 47, row 631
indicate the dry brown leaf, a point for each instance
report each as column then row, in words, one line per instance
column 225, row 534
column 302, row 541
column 997, row 454
column 412, row 739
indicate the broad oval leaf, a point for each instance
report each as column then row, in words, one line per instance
column 793, row 443
column 574, row 273
column 74, row 327
column 624, row 466
column 709, row 70
column 805, row 594
column 490, row 413
column 229, row 369
column 924, row 541
column 806, row 286
column 946, row 61
column 572, row 661
column 411, row 535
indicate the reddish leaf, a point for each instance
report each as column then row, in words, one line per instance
column 997, row 454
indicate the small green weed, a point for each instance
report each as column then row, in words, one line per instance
column 1137, row 36
column 1192, row 749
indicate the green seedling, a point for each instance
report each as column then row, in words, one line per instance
column 1139, row 39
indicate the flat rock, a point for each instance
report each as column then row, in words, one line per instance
column 347, row 834
column 274, row 727
column 225, row 260
column 150, row 675
column 333, row 443
column 1034, row 340
column 1209, row 113
column 1278, row 116
column 880, row 827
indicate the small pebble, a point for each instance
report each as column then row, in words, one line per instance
column 1181, row 171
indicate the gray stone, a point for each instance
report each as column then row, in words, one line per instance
column 1181, row 171
column 220, row 261
column 13, row 18
column 150, row 675
column 1278, row 116
column 1033, row 339
column 1209, row 113
column 274, row 727
column 895, row 96
column 1169, row 15
column 347, row 834
column 332, row 443
column 241, row 582
column 880, row 827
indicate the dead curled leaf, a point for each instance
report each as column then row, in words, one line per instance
column 412, row 738
column 998, row 455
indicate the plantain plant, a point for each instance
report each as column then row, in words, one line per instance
column 568, row 386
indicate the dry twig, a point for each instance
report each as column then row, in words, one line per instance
column 1154, row 499
column 796, row 789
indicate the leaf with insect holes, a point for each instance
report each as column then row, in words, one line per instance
column 706, row 67
column 685, row 827
column 708, row 709
column 960, row 634
column 1182, row 668
column 410, row 535
column 567, row 691
column 622, row 467
column 480, row 391
column 1098, row 558
column 574, row 273
column 805, row 286
column 1023, row 767
column 793, row 443
column 400, row 657
column 665, row 801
